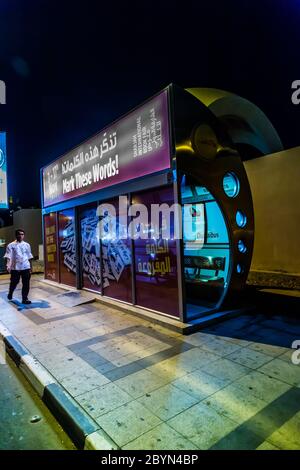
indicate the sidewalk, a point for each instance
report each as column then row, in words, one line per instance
column 127, row 383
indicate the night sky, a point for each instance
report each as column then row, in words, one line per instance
column 72, row 67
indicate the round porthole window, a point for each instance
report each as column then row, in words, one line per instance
column 242, row 247
column 239, row 269
column 241, row 219
column 231, row 185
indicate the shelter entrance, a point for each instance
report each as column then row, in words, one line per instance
column 206, row 248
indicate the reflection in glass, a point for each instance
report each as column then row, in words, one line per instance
column 241, row 246
column 156, row 259
column 206, row 261
column 90, row 248
column 116, row 257
column 67, row 247
column 239, row 269
column 231, row 185
column 51, row 264
column 241, row 219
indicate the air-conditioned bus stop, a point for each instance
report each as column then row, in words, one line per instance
column 170, row 149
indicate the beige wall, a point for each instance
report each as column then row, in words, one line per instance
column 29, row 220
column 7, row 234
column 275, row 186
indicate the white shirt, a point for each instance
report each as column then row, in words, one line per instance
column 18, row 254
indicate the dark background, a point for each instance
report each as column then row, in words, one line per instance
column 71, row 68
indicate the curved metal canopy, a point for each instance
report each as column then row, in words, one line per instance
column 249, row 128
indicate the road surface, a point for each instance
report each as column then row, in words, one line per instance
column 25, row 422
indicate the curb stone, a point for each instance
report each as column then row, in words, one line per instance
column 82, row 429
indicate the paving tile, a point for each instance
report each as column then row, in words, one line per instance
column 98, row 330
column 151, row 353
column 282, row 370
column 92, row 358
column 274, row 337
column 70, row 337
column 267, row 446
column 287, row 356
column 167, row 369
column 261, row 425
column 163, row 437
column 125, row 360
column 262, row 386
column 182, row 364
column 282, row 324
column 235, row 404
column 30, row 339
column 78, row 384
column 219, row 346
column 119, row 372
column 156, row 348
column 109, row 354
column 226, row 369
column 66, row 368
column 140, row 383
column 128, row 422
column 268, row 349
column 249, row 358
column 167, row 401
column 104, row 368
column 158, row 374
column 156, row 328
column 236, row 340
column 85, row 323
column 61, row 353
column 182, row 361
column 172, row 353
column 198, row 339
column 58, row 327
column 199, row 384
column 196, row 358
column 44, row 346
column 287, row 437
column 103, row 399
column 202, row 425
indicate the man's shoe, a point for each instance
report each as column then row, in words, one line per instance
column 26, row 302
column 9, row 296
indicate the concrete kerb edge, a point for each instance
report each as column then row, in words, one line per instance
column 82, row 429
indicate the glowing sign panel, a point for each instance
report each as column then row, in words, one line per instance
column 3, row 172
column 136, row 145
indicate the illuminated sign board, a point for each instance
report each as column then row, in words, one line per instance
column 3, row 172
column 136, row 145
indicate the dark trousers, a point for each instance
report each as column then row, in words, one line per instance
column 14, row 281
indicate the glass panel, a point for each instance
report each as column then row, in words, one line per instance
column 50, row 237
column 67, row 250
column 241, row 219
column 90, row 248
column 116, row 258
column 156, row 260
column 206, row 257
column 231, row 185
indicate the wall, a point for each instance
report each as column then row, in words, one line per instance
column 275, row 185
column 29, row 220
column 6, row 233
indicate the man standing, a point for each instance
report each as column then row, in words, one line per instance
column 19, row 256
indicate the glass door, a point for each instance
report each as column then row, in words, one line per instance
column 90, row 248
column 206, row 248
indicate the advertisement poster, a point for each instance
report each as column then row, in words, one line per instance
column 116, row 261
column 156, row 261
column 3, row 172
column 51, row 266
column 135, row 145
column 67, row 248
column 90, row 249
